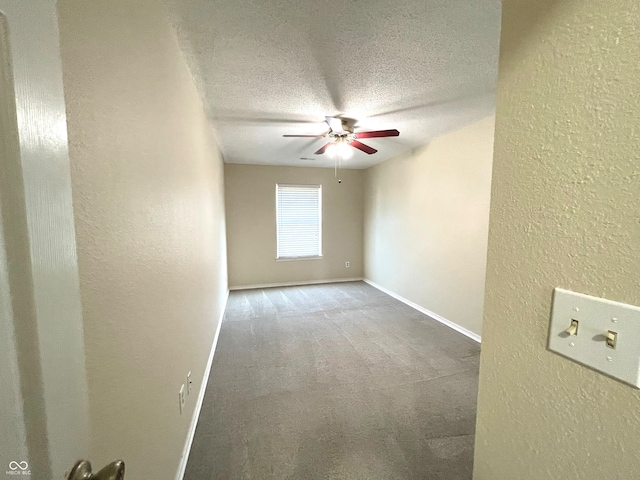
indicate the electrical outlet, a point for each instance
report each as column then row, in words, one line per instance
column 181, row 398
column 189, row 383
column 347, row 264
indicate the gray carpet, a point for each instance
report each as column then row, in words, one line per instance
column 335, row 381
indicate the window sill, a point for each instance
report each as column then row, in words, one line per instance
column 293, row 259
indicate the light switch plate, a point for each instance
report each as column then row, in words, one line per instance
column 596, row 317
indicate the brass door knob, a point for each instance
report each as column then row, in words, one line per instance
column 82, row 471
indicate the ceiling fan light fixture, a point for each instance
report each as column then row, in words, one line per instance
column 340, row 149
column 344, row 150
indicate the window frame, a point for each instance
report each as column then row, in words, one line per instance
column 317, row 187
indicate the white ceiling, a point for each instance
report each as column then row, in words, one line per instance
column 271, row 67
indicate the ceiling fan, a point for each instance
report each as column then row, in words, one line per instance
column 341, row 133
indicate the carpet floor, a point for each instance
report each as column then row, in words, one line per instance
column 336, row 381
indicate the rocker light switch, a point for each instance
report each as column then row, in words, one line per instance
column 598, row 333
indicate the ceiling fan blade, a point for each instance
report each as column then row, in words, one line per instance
column 305, row 136
column 335, row 124
column 378, row 133
column 323, row 149
column 363, row 147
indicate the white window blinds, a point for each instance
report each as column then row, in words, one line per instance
column 299, row 220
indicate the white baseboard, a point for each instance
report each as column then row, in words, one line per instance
column 203, row 387
column 293, row 284
column 435, row 316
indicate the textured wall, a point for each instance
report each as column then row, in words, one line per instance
column 426, row 222
column 149, row 209
column 251, row 224
column 564, row 212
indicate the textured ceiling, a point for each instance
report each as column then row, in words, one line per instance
column 268, row 68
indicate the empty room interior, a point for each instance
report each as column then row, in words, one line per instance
column 309, row 240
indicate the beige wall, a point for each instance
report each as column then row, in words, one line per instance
column 426, row 221
column 251, row 224
column 564, row 212
column 149, row 209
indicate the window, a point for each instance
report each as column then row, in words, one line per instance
column 299, row 221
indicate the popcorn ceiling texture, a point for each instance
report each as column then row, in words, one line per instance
column 564, row 212
column 269, row 68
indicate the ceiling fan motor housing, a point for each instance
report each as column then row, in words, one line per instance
column 342, row 137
